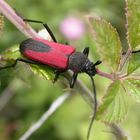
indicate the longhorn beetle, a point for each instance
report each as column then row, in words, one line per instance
column 61, row 57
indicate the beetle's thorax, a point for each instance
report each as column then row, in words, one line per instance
column 78, row 62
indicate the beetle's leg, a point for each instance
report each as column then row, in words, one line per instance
column 50, row 32
column 86, row 51
column 57, row 73
column 73, row 80
column 46, row 27
column 19, row 59
column 66, row 43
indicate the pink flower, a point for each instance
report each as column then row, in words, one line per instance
column 72, row 28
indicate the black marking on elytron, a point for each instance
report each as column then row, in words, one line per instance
column 34, row 45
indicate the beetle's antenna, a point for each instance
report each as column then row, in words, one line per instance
column 95, row 108
column 123, row 53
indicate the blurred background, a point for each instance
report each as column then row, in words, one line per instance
column 24, row 97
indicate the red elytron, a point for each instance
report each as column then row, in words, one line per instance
column 46, row 52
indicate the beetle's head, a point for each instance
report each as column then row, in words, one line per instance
column 90, row 69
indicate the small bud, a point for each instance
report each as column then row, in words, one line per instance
column 72, row 28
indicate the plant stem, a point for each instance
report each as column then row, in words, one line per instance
column 125, row 59
column 109, row 76
column 11, row 15
column 119, row 132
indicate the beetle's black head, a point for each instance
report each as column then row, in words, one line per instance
column 89, row 68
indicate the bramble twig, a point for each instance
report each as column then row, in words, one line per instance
column 103, row 74
column 119, row 133
column 11, row 15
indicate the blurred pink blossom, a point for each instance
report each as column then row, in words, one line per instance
column 72, row 28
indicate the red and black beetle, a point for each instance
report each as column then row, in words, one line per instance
column 61, row 57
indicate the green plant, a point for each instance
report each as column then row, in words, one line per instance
column 124, row 67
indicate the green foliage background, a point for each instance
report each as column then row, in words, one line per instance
column 33, row 95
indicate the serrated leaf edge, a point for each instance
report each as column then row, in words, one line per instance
column 117, row 120
column 126, row 25
column 98, row 19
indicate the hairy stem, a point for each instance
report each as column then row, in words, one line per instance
column 11, row 15
column 109, row 76
column 118, row 132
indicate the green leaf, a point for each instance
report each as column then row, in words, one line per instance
column 133, row 23
column 132, row 87
column 10, row 55
column 113, row 107
column 134, row 63
column 43, row 71
column 107, row 41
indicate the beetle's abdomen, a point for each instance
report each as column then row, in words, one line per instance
column 45, row 52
